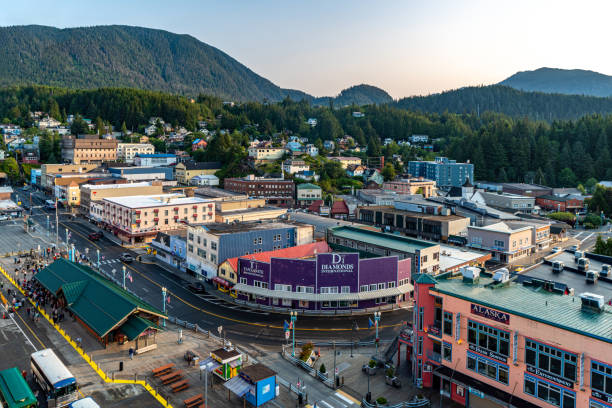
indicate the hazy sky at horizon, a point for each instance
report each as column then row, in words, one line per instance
column 405, row 47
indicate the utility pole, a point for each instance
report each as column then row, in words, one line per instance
column 335, row 374
column 164, row 305
column 98, row 252
column 123, row 277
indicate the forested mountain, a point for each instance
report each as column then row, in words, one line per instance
column 136, row 57
column 509, row 101
column 502, row 148
column 356, row 95
column 563, row 81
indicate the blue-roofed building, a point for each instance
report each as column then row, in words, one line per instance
column 142, row 173
column 155, row 159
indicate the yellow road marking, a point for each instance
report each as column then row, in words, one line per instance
column 80, row 234
column 31, row 331
column 344, row 394
column 231, row 319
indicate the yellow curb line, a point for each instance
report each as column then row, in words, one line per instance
column 84, row 355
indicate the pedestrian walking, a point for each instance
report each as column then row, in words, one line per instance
column 131, row 352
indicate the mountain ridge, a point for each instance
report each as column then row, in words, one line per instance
column 561, row 81
column 138, row 57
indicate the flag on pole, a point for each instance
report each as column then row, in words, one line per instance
column 287, row 325
column 168, row 299
column 129, row 276
column 370, row 323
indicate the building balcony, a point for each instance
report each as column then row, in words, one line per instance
column 435, row 330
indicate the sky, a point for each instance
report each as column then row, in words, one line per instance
column 404, row 47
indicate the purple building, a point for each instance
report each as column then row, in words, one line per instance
column 327, row 281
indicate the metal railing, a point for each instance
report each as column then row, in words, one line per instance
column 416, row 403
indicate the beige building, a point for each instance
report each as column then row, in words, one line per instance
column 137, row 219
column 88, row 150
column 67, row 190
column 415, row 185
column 127, row 151
column 264, row 154
column 185, row 171
column 507, row 243
column 246, row 210
column 92, row 193
column 347, row 161
column 48, row 172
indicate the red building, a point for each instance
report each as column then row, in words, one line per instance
column 567, row 203
column 276, row 191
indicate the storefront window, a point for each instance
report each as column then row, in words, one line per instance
column 601, row 378
column 488, row 368
column 551, row 359
column 549, row 392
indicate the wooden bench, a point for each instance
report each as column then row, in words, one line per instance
column 165, row 369
column 172, row 377
column 179, row 385
column 195, row 401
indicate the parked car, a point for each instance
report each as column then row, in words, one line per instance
column 574, row 248
column 94, row 236
column 125, row 257
column 4, row 217
column 197, row 287
column 556, row 249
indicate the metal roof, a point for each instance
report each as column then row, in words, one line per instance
column 15, row 389
column 98, row 302
column 386, row 240
column 561, row 311
column 238, row 386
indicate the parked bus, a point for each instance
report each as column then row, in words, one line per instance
column 56, row 381
column 86, row 402
column 15, row 391
column 50, row 204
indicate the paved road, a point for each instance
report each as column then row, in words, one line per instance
column 208, row 312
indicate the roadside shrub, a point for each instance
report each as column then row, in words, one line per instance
column 306, row 351
column 322, row 369
column 372, row 364
column 381, row 400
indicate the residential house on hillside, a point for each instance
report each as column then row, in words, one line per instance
column 308, row 175
column 198, row 144
column 355, row 170
column 292, row 166
column 346, row 161
column 311, row 150
column 328, row 145
column 373, row 176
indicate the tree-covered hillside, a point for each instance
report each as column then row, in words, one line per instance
column 563, row 81
column 560, row 153
column 509, row 101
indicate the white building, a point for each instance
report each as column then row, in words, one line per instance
column 154, row 160
column 266, row 153
column 205, row 180
column 295, row 166
column 311, row 150
column 419, row 138
column 127, row 151
column 312, row 122
column 47, row 122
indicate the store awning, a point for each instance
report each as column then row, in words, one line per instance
column 323, row 297
column 237, row 385
column 222, row 282
column 209, row 364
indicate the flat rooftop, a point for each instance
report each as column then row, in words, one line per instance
column 523, row 186
column 391, row 209
column 116, row 186
column 557, row 310
column 155, row 200
column 500, row 227
column 251, row 210
column 222, row 228
column 383, row 239
column 213, row 192
column 451, row 256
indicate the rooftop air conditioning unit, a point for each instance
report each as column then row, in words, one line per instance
column 501, row 275
column 591, row 301
column 470, row 273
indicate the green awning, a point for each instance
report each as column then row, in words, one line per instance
column 135, row 326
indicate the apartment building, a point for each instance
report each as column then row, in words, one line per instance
column 138, row 219
column 266, row 154
column 293, row 166
column 483, row 340
column 507, row 243
column 277, row 191
column 307, row 194
column 127, row 151
column 88, row 150
column 209, row 246
column 445, row 172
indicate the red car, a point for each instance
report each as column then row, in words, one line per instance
column 94, row 236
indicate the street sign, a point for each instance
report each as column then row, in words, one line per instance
column 476, row 392
column 287, row 334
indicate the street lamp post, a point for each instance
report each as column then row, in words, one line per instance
column 164, row 304
column 98, row 252
column 47, row 226
column 123, row 269
column 376, row 320
column 56, row 225
column 293, row 315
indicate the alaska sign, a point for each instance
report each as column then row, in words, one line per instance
column 490, row 314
